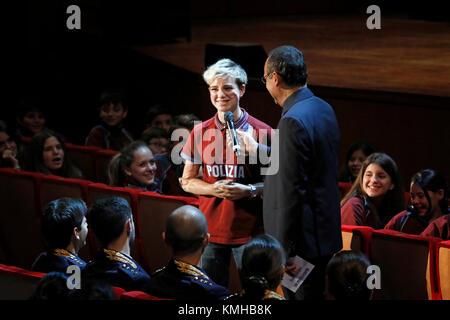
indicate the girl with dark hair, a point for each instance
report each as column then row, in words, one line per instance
column 429, row 196
column 47, row 154
column 346, row 277
column 134, row 167
column 376, row 195
column 263, row 262
column 356, row 154
column 11, row 149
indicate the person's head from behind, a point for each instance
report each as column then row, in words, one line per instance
column 263, row 262
column 52, row 286
column 159, row 116
column 64, row 224
column 356, row 154
column 429, row 193
column 47, row 154
column 134, row 165
column 285, row 68
column 186, row 231
column 111, row 219
column 30, row 116
column 346, row 277
column 227, row 82
column 157, row 139
column 113, row 108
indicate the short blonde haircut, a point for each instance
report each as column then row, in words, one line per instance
column 225, row 68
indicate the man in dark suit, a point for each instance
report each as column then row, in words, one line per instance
column 301, row 200
column 187, row 235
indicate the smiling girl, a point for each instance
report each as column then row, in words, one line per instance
column 428, row 191
column 376, row 195
column 134, row 167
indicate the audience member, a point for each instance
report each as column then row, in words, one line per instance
column 171, row 164
column 263, row 262
column 376, row 195
column 157, row 139
column 346, row 277
column 439, row 228
column 429, row 198
column 47, row 154
column 65, row 229
column 356, row 154
column 187, row 236
column 10, row 149
column 111, row 132
column 134, row 167
column 187, row 120
column 159, row 116
column 52, row 286
column 111, row 220
column 30, row 118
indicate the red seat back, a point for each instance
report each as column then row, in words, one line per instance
column 138, row 295
column 20, row 234
column 17, row 283
column 102, row 159
column 83, row 157
column 357, row 238
column 344, row 188
column 407, row 265
column 443, row 269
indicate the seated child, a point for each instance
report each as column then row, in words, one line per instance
column 429, row 198
column 110, row 133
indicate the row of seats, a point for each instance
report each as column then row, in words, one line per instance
column 412, row 267
column 24, row 195
column 20, row 284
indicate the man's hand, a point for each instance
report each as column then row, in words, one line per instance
column 247, row 140
column 230, row 190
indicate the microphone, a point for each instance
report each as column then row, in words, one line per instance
column 229, row 119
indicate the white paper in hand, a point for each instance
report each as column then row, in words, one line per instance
column 304, row 268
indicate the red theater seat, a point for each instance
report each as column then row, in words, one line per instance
column 152, row 214
column 138, row 295
column 84, row 158
column 344, row 187
column 17, row 283
column 443, row 269
column 357, row 238
column 102, row 159
column 55, row 187
column 407, row 265
column 20, row 234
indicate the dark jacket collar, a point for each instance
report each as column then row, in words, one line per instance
column 301, row 94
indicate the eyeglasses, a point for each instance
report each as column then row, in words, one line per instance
column 263, row 78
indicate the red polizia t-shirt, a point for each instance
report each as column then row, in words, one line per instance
column 229, row 222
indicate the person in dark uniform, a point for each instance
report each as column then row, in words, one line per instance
column 111, row 220
column 64, row 227
column 187, row 236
